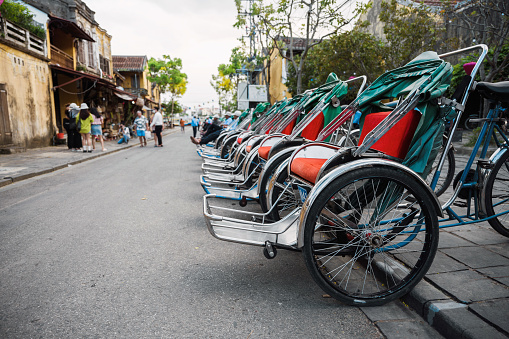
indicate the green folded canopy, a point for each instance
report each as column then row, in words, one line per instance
column 431, row 76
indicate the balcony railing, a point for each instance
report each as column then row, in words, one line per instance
column 22, row 37
column 60, row 57
column 137, row 91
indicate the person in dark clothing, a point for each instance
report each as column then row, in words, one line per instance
column 73, row 136
column 213, row 131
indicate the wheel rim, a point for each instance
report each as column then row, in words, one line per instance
column 283, row 197
column 365, row 242
column 500, row 195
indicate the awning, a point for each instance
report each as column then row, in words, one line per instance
column 123, row 95
column 79, row 75
column 69, row 27
column 147, row 108
column 152, row 101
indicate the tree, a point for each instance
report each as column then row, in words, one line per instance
column 226, row 82
column 409, row 31
column 167, row 74
column 482, row 22
column 305, row 22
column 347, row 54
column 21, row 15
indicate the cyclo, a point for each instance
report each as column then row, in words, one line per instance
column 365, row 220
column 286, row 134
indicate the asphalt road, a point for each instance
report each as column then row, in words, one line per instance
column 118, row 247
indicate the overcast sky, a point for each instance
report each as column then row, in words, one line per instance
column 200, row 32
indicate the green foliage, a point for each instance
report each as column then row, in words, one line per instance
column 21, row 16
column 167, row 74
column 409, row 31
column 166, row 108
column 313, row 21
column 459, row 72
column 347, row 54
column 226, row 81
column 483, row 22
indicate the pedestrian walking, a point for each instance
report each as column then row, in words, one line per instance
column 158, row 126
column 126, row 134
column 73, row 135
column 141, row 125
column 84, row 121
column 97, row 130
column 182, row 125
column 195, row 124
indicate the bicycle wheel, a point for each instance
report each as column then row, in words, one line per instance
column 447, row 174
column 281, row 195
column 497, row 195
column 227, row 148
column 471, row 125
column 265, row 180
column 365, row 242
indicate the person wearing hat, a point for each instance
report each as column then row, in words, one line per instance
column 84, row 120
column 228, row 121
column 73, row 135
column 235, row 121
column 211, row 134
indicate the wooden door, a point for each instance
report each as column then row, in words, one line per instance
column 5, row 124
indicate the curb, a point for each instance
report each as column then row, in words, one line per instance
column 9, row 180
column 450, row 318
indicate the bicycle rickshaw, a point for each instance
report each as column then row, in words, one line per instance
column 367, row 222
column 314, row 109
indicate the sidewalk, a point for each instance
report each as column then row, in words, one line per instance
column 38, row 161
column 465, row 293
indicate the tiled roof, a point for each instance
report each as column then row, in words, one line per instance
column 298, row 43
column 129, row 63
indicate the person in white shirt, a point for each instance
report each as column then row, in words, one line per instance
column 157, row 123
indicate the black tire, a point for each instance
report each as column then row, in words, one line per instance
column 497, row 195
column 471, row 125
column 359, row 265
column 282, row 195
column 265, row 180
column 226, row 148
column 447, row 174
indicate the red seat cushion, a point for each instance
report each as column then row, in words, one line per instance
column 307, row 168
column 263, row 152
column 315, row 126
column 396, row 141
column 239, row 141
column 248, row 149
column 288, row 129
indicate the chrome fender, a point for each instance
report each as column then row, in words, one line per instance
column 278, row 157
column 349, row 167
column 225, row 141
column 485, row 173
column 251, row 156
column 239, row 154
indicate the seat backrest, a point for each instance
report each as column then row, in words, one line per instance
column 396, row 141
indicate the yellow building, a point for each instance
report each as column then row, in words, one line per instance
column 134, row 70
column 278, row 67
column 26, row 115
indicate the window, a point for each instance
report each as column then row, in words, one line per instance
column 104, row 64
column 91, row 59
column 81, row 48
